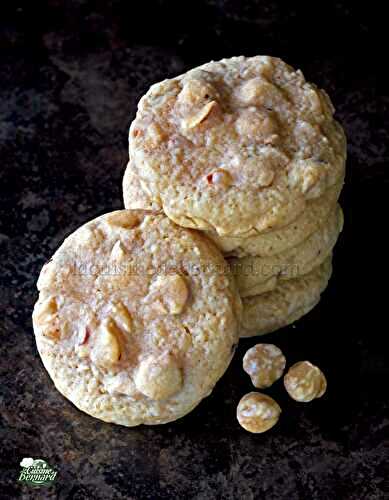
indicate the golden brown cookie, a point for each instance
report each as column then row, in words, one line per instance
column 275, row 241
column 135, row 321
column 287, row 303
column 236, row 146
column 256, row 275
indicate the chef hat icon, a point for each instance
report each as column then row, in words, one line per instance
column 27, row 462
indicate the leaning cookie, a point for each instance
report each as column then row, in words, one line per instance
column 236, row 146
column 256, row 275
column 287, row 303
column 136, row 319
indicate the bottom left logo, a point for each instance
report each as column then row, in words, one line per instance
column 36, row 472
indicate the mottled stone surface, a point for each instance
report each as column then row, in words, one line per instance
column 70, row 76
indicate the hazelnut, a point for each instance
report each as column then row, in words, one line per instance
column 127, row 219
column 195, row 92
column 257, row 412
column 257, row 91
column 118, row 251
column 45, row 311
column 255, row 124
column 220, row 178
column 305, row 382
column 106, row 349
column 265, row 364
column 122, row 316
column 170, row 292
column 158, row 377
column 200, row 116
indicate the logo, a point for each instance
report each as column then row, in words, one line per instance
column 36, row 472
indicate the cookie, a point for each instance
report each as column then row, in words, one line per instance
column 136, row 319
column 287, row 303
column 273, row 242
column 237, row 146
column 256, row 275
column 135, row 194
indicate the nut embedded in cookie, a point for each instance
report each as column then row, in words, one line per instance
column 159, row 378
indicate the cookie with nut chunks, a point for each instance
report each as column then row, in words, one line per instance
column 236, row 146
column 136, row 319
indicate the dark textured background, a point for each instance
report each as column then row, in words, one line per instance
column 71, row 73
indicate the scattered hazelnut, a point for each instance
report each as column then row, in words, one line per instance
column 257, row 412
column 265, row 364
column 305, row 382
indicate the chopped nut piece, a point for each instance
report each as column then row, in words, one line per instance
column 199, row 117
column 122, row 316
column 257, row 412
column 309, row 176
column 45, row 311
column 171, row 291
column 257, row 91
column 118, row 251
column 265, row 364
column 256, row 125
column 195, row 92
column 51, row 333
column 220, row 178
column 124, row 218
column 106, row 349
column 159, row 378
column 305, row 382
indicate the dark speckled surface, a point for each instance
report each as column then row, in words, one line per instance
column 70, row 76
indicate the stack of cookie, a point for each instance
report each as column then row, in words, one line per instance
column 247, row 151
column 138, row 316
